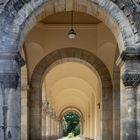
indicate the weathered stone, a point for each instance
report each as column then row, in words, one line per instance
column 13, row 16
column 10, row 96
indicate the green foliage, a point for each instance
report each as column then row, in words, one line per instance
column 71, row 124
column 71, row 135
column 77, row 129
column 65, row 125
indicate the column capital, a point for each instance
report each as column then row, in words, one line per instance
column 9, row 80
column 20, row 60
column 49, row 108
column 10, row 64
column 131, row 79
column 13, row 56
column 44, row 106
column 53, row 114
column 128, row 55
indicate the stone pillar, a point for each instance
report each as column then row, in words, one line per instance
column 10, row 98
column 60, row 129
column 24, row 101
column 130, row 74
column 54, row 125
column 48, row 124
column 81, row 128
column 44, row 109
column 24, row 112
column 57, row 128
column 35, row 110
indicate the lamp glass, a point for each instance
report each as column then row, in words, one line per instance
column 71, row 34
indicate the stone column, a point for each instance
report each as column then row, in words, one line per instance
column 44, row 109
column 35, row 110
column 60, row 129
column 130, row 74
column 81, row 127
column 53, row 125
column 48, row 124
column 56, row 127
column 24, row 101
column 10, row 98
column 24, row 112
column 54, row 131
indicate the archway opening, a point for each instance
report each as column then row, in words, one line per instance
column 71, row 125
column 93, row 36
column 71, row 85
column 22, row 22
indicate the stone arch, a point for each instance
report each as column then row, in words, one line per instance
column 70, row 109
column 85, row 57
column 25, row 16
column 116, row 98
column 77, row 111
column 24, row 95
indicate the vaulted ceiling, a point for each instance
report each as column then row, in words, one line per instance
column 71, row 84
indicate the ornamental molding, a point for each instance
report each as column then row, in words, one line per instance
column 13, row 56
column 137, row 4
column 133, row 5
column 19, row 59
column 130, row 54
column 131, row 79
column 66, row 26
column 131, row 9
column 44, row 106
column 9, row 80
column 47, row 108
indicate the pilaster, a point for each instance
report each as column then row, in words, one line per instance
column 48, row 122
column 10, row 98
column 130, row 80
column 44, row 110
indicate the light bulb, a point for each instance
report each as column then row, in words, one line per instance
column 71, row 34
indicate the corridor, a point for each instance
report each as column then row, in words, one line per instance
column 69, row 68
column 65, row 78
column 71, row 139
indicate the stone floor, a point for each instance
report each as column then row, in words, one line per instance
column 71, row 139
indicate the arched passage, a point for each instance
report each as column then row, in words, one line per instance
column 70, row 109
column 19, row 17
column 75, row 110
column 71, row 123
column 30, row 13
column 94, row 63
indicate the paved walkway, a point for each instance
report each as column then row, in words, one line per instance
column 71, row 139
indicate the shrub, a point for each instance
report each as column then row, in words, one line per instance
column 71, row 135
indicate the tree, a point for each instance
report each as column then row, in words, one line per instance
column 71, row 123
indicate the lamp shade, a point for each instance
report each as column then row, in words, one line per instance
column 71, row 34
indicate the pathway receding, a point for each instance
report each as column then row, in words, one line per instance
column 71, row 139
